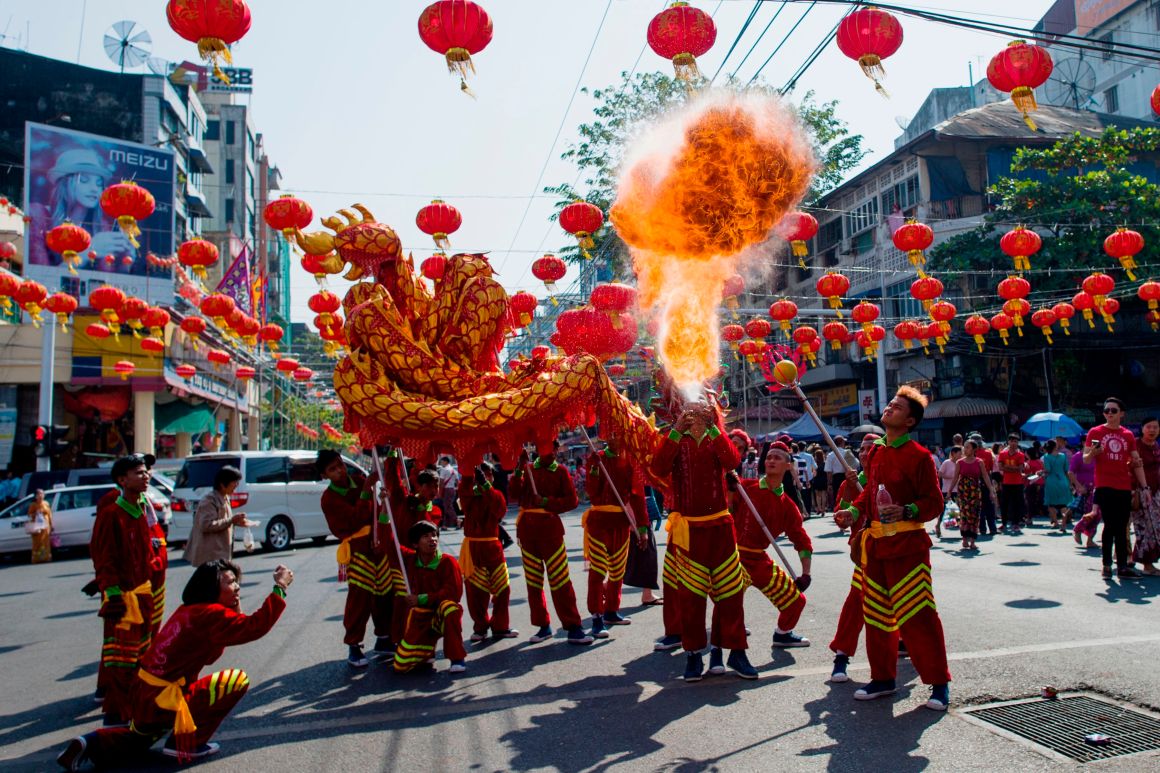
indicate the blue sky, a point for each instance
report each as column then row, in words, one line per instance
column 354, row 107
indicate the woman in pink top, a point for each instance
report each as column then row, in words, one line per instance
column 1146, row 518
column 969, row 481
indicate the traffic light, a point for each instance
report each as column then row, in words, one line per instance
column 49, row 439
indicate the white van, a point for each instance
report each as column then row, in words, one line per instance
column 280, row 489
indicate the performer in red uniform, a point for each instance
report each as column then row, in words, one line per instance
column 410, row 508
column 607, row 530
column 845, row 642
column 369, row 567
column 542, row 494
column 695, row 455
column 895, row 555
column 481, row 557
column 780, row 516
column 433, row 609
column 125, row 562
column 167, row 694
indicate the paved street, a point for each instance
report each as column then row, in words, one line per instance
column 1025, row 612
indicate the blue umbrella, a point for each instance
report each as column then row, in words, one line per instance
column 1049, row 425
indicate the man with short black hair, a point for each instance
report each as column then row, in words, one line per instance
column 1113, row 448
column 433, row 608
column 1011, row 503
column 900, row 495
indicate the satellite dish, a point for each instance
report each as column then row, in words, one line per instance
column 158, row 66
column 902, row 121
column 1072, row 83
column 127, row 44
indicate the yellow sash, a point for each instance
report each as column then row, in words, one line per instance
column 466, row 564
column 133, row 614
column 877, row 530
column 584, row 524
column 172, row 698
column 678, row 526
column 536, row 510
column 344, row 546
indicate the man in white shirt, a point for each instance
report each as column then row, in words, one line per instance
column 449, row 488
column 835, row 472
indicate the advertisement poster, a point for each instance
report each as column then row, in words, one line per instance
column 7, row 435
column 65, row 173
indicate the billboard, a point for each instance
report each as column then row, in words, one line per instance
column 65, row 172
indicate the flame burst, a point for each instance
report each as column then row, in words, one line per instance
column 697, row 191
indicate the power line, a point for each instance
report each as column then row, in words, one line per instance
column 749, row 20
column 789, row 34
column 745, row 58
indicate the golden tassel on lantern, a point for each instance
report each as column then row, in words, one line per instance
column 979, row 341
column 1004, row 335
column 1047, row 333
column 1129, row 264
column 212, row 50
column 836, row 305
column 917, row 258
column 1024, row 99
column 1022, row 263
column 130, row 228
column 871, row 65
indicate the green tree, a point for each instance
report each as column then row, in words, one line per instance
column 1074, row 193
column 623, row 107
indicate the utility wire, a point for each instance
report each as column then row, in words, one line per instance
column 777, row 48
column 736, row 40
column 745, row 58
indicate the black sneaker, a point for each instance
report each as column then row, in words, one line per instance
column 903, row 652
column 579, row 636
column 355, row 656
column 543, row 634
column 667, row 643
column 790, row 639
column 694, row 667
column 205, row 750
column 839, row 675
column 384, row 644
column 74, row 755
column 716, row 661
column 739, row 662
column 615, row 618
column 876, row 689
column 598, row 629
column 940, row 697
column 99, row 696
column 507, row 633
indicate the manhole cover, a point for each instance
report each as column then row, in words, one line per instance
column 1061, row 725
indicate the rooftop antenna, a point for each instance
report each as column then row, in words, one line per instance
column 127, row 44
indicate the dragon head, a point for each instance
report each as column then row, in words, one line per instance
column 361, row 241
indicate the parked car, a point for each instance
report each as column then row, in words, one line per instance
column 280, row 489
column 97, row 476
column 73, row 510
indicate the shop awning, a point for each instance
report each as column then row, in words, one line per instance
column 964, row 407
column 179, row 416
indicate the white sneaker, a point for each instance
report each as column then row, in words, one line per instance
column 457, row 667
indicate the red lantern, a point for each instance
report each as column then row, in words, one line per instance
column 8, row 284
column 757, row 329
column 7, row 251
column 1017, row 309
column 186, row 371
column 868, row 36
column 324, row 303
column 97, row 330
column 124, row 369
column 977, row 326
column 1063, row 313
column 152, row 345
column 926, row 289
column 1099, row 286
column 1108, row 311
column 127, row 202
column 193, row 327
column 682, row 33
column 540, row 352
column 783, row 312
column 523, row 308
column 836, row 333
column 734, row 286
column 582, row 219
column 807, row 340
column 218, row 306
column 1123, row 245
column 132, row 310
column 613, row 299
column 1014, row 287
column 935, row 330
column 109, row 301
column 287, row 365
column 245, row 373
column 270, row 334
column 1085, row 304
column 549, row 270
column 214, row 25
column 218, row 357
column 912, row 238
column 68, row 241
column 832, row 286
column 1044, row 319
column 1156, row 104
column 248, row 329
column 733, row 335
column 1019, row 69
column 864, row 314
column 439, row 220
column 197, row 255
column 155, row 318
column 749, row 349
column 313, row 264
column 288, row 215
column 457, row 29
column 587, row 330
column 303, row 374
column 61, row 304
column 434, row 267
column 1019, row 244
column 866, row 343
column 943, row 312
column 1150, row 293
column 907, row 331
column 798, row 228
column 30, row 296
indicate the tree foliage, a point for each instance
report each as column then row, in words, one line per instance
column 623, row 109
column 1074, row 193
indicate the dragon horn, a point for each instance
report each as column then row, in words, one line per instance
column 333, row 223
column 366, row 213
column 316, row 243
column 351, row 219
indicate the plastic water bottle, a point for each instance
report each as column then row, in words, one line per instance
column 248, row 539
column 883, row 497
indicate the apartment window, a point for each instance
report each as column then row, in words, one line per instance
column 213, row 130
column 829, row 234
column 231, row 132
column 169, row 120
column 863, row 216
column 1106, row 41
column 229, row 172
column 229, row 210
column 904, row 194
column 1112, row 100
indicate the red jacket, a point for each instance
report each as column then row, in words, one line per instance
column 697, row 470
column 552, row 481
column 908, row 472
column 444, row 582
column 483, row 509
column 121, row 547
column 627, row 477
column 408, row 509
column 348, row 510
column 197, row 634
column 778, row 511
